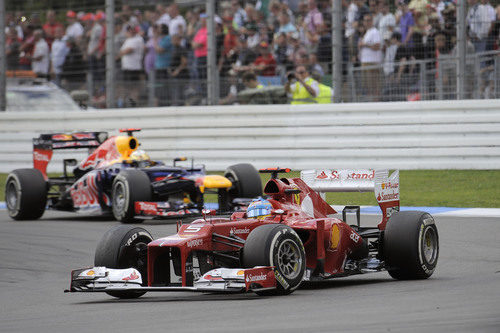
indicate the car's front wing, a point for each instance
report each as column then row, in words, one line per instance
column 227, row 280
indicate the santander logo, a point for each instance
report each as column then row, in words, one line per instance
column 254, row 278
column 132, row 276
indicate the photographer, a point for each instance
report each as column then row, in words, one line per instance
column 303, row 88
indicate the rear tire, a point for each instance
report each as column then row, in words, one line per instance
column 276, row 245
column 25, row 194
column 411, row 245
column 246, row 181
column 118, row 248
column 129, row 186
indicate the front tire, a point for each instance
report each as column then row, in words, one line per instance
column 25, row 194
column 280, row 246
column 129, row 186
column 411, row 245
column 123, row 247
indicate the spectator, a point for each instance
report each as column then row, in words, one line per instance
column 282, row 51
column 26, row 49
column 12, row 48
column 178, row 70
column 285, row 25
column 239, row 14
column 177, row 25
column 73, row 70
column 325, row 95
column 230, row 47
column 387, row 21
column 95, row 60
column 265, row 64
column 314, row 18
column 74, row 29
column 479, row 22
column 150, row 51
column 406, row 22
column 58, row 54
column 40, row 60
column 164, row 16
column 250, row 81
column 199, row 45
column 131, row 54
column 303, row 88
column 50, row 27
column 163, row 59
column 370, row 54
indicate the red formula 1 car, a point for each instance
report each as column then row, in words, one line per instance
column 281, row 240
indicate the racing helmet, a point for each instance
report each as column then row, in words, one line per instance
column 139, row 156
column 259, row 208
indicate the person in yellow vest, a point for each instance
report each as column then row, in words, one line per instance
column 250, row 81
column 325, row 92
column 302, row 87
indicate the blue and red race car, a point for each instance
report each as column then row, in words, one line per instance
column 118, row 178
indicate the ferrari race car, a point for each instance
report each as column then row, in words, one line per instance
column 116, row 177
column 283, row 239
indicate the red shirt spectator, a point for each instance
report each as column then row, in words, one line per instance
column 265, row 64
column 200, row 50
column 50, row 27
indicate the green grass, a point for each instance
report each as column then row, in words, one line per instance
column 432, row 188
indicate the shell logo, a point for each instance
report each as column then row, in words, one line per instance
column 91, row 273
column 335, row 237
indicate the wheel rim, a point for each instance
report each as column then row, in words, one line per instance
column 289, row 259
column 11, row 196
column 429, row 245
column 119, row 197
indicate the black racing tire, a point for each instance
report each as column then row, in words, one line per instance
column 411, row 245
column 246, row 181
column 118, row 248
column 276, row 245
column 25, row 194
column 129, row 186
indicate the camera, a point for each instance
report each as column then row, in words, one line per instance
column 291, row 76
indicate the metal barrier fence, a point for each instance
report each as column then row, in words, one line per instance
column 131, row 53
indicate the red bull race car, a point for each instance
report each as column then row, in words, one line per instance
column 289, row 236
column 118, row 178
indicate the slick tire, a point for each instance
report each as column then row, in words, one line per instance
column 246, row 181
column 411, row 245
column 280, row 246
column 25, row 194
column 129, row 186
column 120, row 248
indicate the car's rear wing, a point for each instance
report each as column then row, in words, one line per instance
column 385, row 186
column 46, row 143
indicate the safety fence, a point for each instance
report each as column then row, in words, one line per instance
column 404, row 135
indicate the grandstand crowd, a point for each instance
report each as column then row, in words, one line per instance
column 267, row 40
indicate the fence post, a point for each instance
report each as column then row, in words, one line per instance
column 337, row 50
column 462, row 47
column 212, row 82
column 110, row 54
column 151, row 88
column 3, row 63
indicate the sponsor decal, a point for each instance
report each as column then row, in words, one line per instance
column 134, row 237
column 192, row 228
column 387, row 197
column 236, row 231
column 91, row 273
column 361, row 175
column 354, row 236
column 322, row 175
column 62, row 137
column 255, row 278
column 195, row 243
column 82, row 136
column 213, row 278
column 240, row 273
column 389, row 185
column 37, row 156
column 281, row 279
column 147, row 206
column 84, row 192
column 131, row 277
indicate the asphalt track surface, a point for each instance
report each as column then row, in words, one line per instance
column 37, row 256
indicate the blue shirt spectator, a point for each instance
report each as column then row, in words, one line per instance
column 164, row 53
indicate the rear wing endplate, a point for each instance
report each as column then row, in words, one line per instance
column 384, row 185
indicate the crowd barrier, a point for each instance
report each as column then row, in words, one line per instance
column 402, row 135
